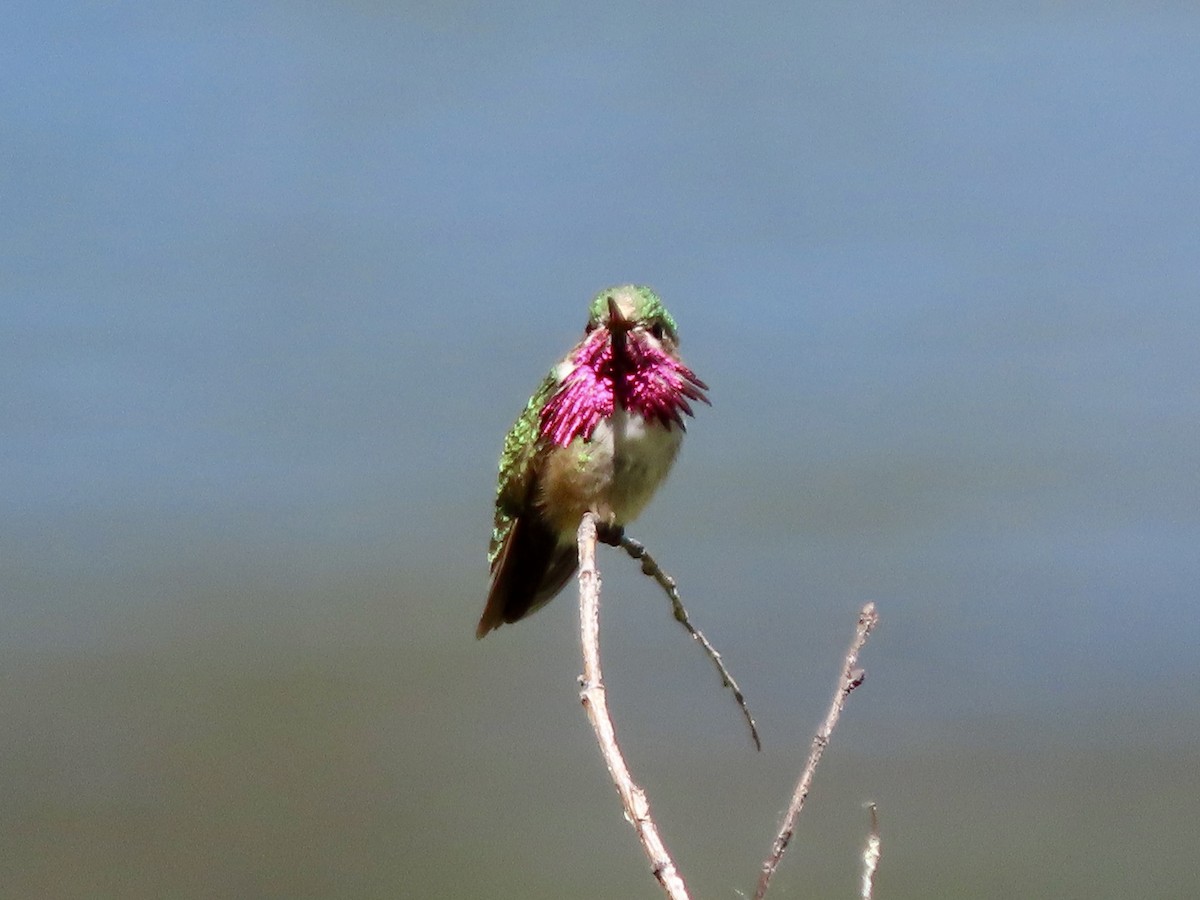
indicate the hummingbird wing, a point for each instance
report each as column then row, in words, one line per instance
column 518, row 467
column 527, row 563
column 532, row 566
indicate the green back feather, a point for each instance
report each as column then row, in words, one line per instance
column 517, row 465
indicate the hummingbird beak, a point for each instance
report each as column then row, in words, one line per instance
column 616, row 321
column 618, row 326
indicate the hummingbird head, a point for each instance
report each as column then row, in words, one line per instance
column 633, row 311
column 629, row 358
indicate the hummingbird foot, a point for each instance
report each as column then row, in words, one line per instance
column 610, row 534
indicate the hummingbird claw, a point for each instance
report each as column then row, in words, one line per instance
column 610, row 534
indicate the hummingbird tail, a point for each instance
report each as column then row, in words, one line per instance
column 532, row 567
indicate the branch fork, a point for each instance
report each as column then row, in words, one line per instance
column 633, row 798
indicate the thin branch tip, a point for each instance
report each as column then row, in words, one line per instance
column 651, row 568
column 871, row 855
column 851, row 677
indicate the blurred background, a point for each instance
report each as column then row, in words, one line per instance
column 276, row 278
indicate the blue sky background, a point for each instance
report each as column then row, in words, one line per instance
column 277, row 278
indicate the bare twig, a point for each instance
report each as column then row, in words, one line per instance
column 650, row 567
column 871, row 856
column 633, row 798
column 851, row 677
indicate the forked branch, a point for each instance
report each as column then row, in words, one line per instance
column 633, row 798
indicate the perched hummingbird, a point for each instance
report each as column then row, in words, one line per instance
column 599, row 434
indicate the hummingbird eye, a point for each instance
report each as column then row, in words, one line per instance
column 657, row 330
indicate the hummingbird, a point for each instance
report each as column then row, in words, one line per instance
column 599, row 434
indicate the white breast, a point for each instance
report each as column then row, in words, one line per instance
column 639, row 456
